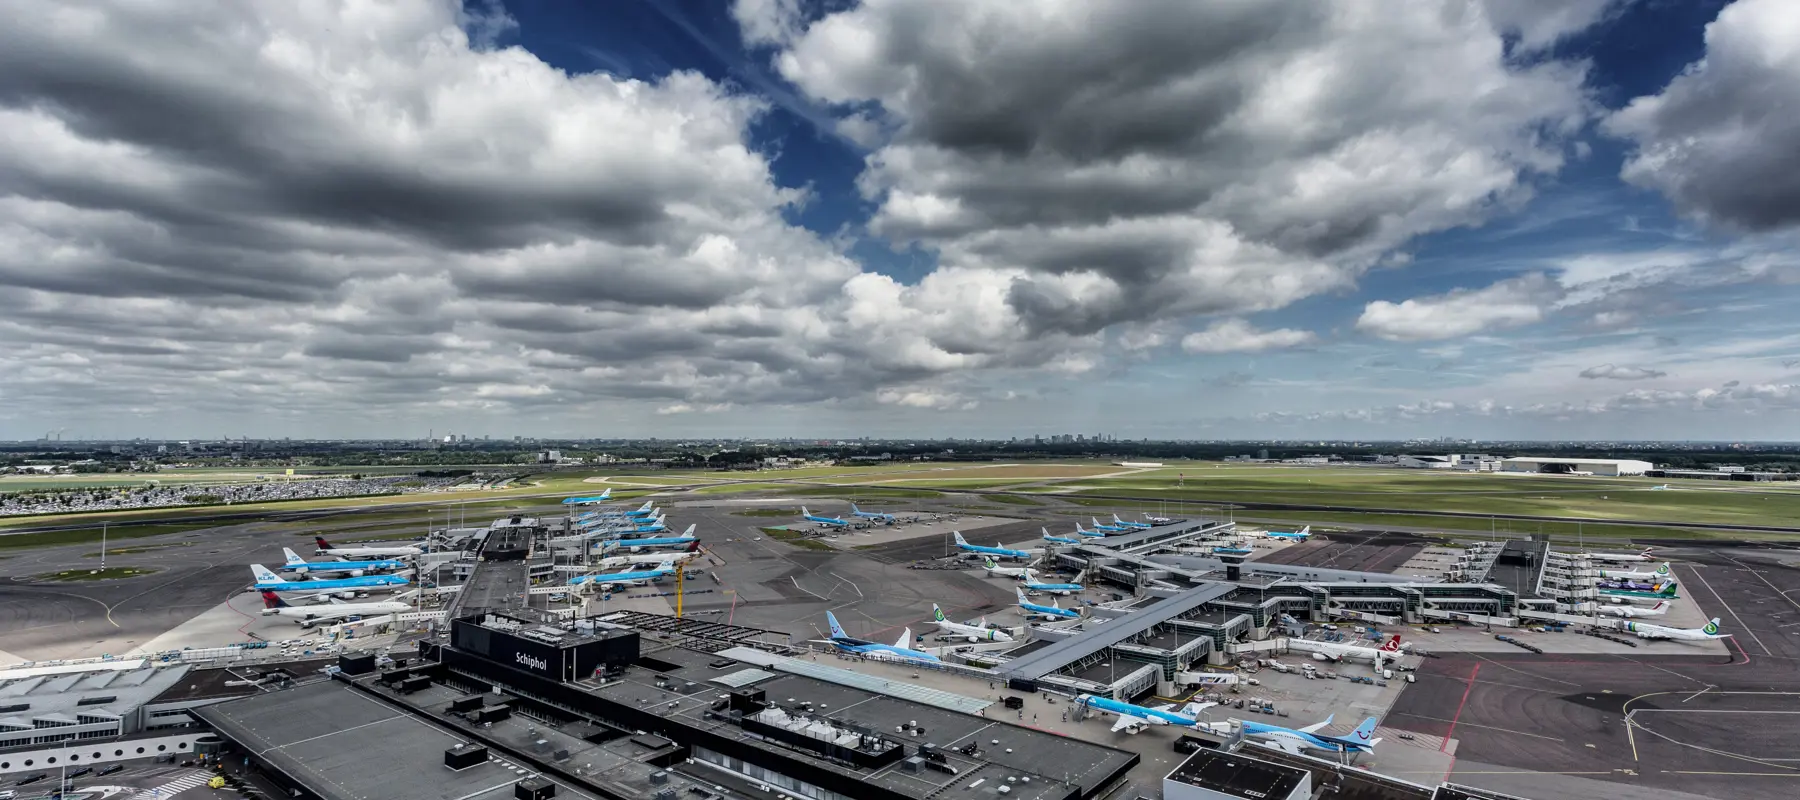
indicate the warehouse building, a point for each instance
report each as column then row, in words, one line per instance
column 1607, row 467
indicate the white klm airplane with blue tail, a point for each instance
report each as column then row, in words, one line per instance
column 1134, row 718
column 898, row 651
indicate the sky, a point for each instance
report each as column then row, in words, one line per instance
column 1539, row 219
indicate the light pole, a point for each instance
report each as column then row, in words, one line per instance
column 103, row 547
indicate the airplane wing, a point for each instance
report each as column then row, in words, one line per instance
column 1123, row 722
column 1317, row 726
column 1285, row 743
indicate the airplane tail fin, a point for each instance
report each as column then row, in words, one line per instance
column 1029, row 578
column 693, row 547
column 958, row 534
column 667, row 565
column 292, row 557
column 1364, row 733
column 1661, row 605
column 854, row 509
column 988, row 562
column 1194, row 708
column 1021, row 594
column 263, row 575
column 690, row 530
column 837, row 631
column 1664, row 569
column 906, row 638
column 1306, row 531
column 1712, row 627
column 1392, row 645
column 937, row 614
column 320, row 541
column 273, row 600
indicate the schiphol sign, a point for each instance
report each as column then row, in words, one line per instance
column 532, row 661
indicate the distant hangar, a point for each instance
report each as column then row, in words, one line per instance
column 1609, row 467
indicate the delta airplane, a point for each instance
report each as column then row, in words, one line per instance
column 996, row 550
column 1109, row 528
column 1065, row 589
column 832, row 521
column 1133, row 525
column 861, row 514
column 665, row 567
column 327, row 549
column 1308, row 738
column 1645, row 630
column 270, row 582
column 274, row 606
column 897, row 651
column 1134, row 718
column 1661, row 571
column 994, row 568
column 588, row 501
column 1052, row 611
column 1334, row 651
column 974, row 632
column 1628, row 612
column 1080, row 531
column 1058, row 539
column 355, row 568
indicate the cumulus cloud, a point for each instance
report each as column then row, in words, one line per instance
column 1718, row 140
column 1238, row 336
column 1142, row 161
column 1541, row 23
column 402, row 214
column 1509, row 303
column 1620, row 373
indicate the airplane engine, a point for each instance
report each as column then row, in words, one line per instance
column 1321, row 657
column 302, row 571
column 356, row 573
column 972, row 639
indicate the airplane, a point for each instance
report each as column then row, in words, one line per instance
column 831, row 521
column 1133, row 525
column 274, row 606
column 1628, row 584
column 645, row 510
column 1058, row 539
column 611, row 539
column 1628, row 612
column 1308, row 738
column 269, row 581
column 1134, row 718
column 1051, row 611
column 1231, row 551
column 650, row 526
column 679, row 557
column 1004, row 572
column 1626, row 557
column 1109, row 528
column 1334, row 651
column 1157, row 520
column 996, row 550
column 588, row 501
column 1080, row 531
column 857, row 512
column 1663, row 592
column 1661, row 571
column 1663, row 488
column 665, row 567
column 897, row 651
column 1300, row 535
column 1065, row 589
column 328, row 549
column 1645, row 630
column 977, row 632
column 355, row 568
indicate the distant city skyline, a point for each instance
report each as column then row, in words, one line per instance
column 1291, row 219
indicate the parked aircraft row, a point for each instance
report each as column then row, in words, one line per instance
column 1133, row 718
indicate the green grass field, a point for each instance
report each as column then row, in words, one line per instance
column 858, row 492
column 1469, row 526
column 767, row 512
column 1584, row 497
column 796, row 538
column 92, row 535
